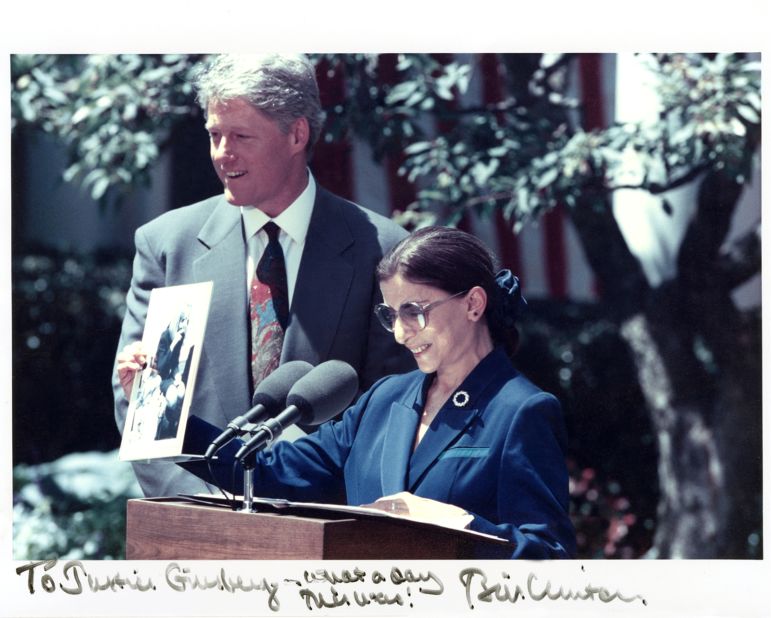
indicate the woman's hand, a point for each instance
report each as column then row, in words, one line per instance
column 409, row 505
column 132, row 359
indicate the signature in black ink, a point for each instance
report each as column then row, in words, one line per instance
column 479, row 587
column 74, row 574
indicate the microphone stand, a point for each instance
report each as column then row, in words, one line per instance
column 248, row 487
column 248, row 464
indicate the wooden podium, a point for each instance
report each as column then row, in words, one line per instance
column 177, row 529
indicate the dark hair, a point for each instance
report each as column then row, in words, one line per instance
column 452, row 260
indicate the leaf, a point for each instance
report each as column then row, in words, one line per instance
column 81, row 114
column 753, row 99
column 401, row 92
column 548, row 60
column 404, row 62
column 129, row 112
column 547, row 178
column 157, row 74
column 414, row 99
column 93, row 176
column 748, row 113
column 482, row 173
column 43, row 77
column 753, row 66
column 55, row 95
column 71, row 172
column 737, row 127
column 100, row 187
column 417, row 147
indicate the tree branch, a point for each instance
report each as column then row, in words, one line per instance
column 622, row 280
column 718, row 195
column 655, row 188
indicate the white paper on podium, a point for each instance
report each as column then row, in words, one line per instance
column 339, row 509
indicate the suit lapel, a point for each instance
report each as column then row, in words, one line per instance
column 227, row 327
column 322, row 286
column 452, row 419
column 400, row 432
column 442, row 432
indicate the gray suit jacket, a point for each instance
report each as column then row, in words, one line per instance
column 330, row 318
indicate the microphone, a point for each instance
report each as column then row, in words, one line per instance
column 268, row 398
column 323, row 393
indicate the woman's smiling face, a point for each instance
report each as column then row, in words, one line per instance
column 449, row 333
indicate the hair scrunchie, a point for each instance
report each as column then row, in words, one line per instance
column 511, row 303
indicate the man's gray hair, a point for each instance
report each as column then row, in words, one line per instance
column 282, row 86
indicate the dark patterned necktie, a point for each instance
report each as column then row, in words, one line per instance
column 268, row 307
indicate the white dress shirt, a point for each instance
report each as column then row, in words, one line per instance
column 293, row 223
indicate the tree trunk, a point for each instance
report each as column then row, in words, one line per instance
column 691, row 513
column 739, row 427
column 699, row 370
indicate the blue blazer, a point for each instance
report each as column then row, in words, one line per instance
column 330, row 317
column 501, row 456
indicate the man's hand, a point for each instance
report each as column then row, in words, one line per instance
column 131, row 360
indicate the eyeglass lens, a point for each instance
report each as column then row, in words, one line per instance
column 411, row 315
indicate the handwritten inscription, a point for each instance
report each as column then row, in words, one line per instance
column 331, row 597
column 74, row 580
column 180, row 579
column 435, row 584
column 320, row 588
column 74, row 575
column 479, row 587
column 344, row 577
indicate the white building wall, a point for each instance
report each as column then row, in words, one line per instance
column 64, row 216
column 653, row 235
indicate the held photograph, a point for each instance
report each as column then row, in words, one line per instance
column 163, row 390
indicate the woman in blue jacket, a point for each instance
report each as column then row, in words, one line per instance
column 466, row 438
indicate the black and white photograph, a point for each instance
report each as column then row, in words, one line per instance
column 161, row 394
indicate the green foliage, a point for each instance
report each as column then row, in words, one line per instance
column 67, row 310
column 386, row 96
column 114, row 112
column 524, row 153
column 73, row 508
column 529, row 152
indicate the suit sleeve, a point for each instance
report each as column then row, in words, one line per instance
column 157, row 478
column 532, row 496
column 310, row 469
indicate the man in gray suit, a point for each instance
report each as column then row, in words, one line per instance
column 263, row 116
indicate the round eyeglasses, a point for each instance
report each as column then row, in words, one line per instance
column 413, row 315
